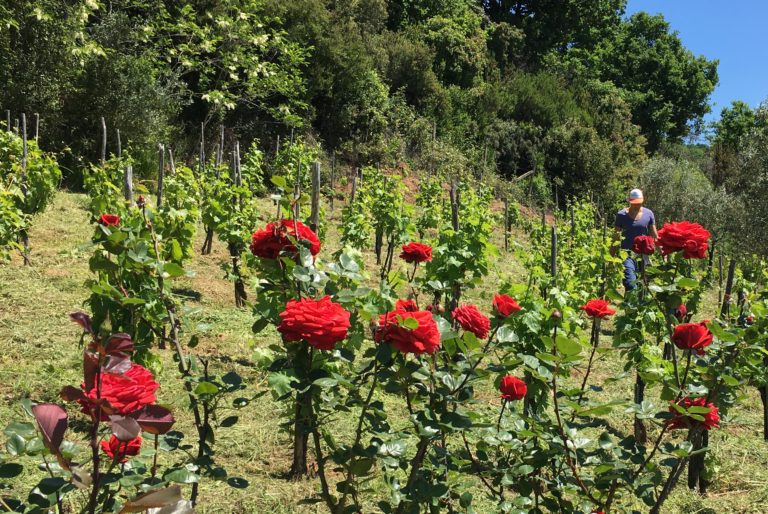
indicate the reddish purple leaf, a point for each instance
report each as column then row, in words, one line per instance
column 154, row 419
column 90, row 367
column 119, row 343
column 118, row 364
column 83, row 320
column 71, row 394
column 125, row 428
column 154, row 499
column 52, row 420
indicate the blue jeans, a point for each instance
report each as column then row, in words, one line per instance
column 630, row 273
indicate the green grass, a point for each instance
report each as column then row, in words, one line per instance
column 39, row 353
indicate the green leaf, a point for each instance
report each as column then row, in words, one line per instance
column 505, row 334
column 325, row 382
column 566, row 346
column 687, row 283
column 409, row 323
column 278, row 181
column 173, row 269
column 16, row 445
column 181, row 476
column 176, row 253
column 206, row 388
column 281, row 383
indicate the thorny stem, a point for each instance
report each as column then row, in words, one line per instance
column 594, row 339
column 479, row 470
column 320, row 460
column 501, row 414
column 154, row 459
column 184, row 365
column 561, row 429
column 95, row 444
column 477, row 362
column 59, row 502
column 359, row 434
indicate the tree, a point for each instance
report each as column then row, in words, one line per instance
column 666, row 85
column 557, row 24
column 730, row 131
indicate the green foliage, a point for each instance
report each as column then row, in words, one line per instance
column 23, row 192
column 42, row 173
column 678, row 190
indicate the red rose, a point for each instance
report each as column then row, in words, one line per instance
column 115, row 448
column 416, row 252
column 125, row 393
column 679, row 420
column 276, row 237
column 393, row 329
column 141, row 201
column 472, row 320
column 692, row 336
column 321, row 323
column 690, row 238
column 109, row 220
column 681, row 312
column 597, row 308
column 512, row 388
column 644, row 245
column 406, row 305
column 505, row 305
column 750, row 319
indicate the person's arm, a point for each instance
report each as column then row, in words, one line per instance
column 652, row 227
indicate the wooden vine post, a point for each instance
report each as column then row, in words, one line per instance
column 455, row 198
column 354, row 189
column 236, row 248
column 128, row 185
column 506, row 224
column 160, row 174
column 333, row 178
column 37, row 126
column 314, row 219
column 103, row 141
column 24, row 188
column 8, row 127
column 119, row 145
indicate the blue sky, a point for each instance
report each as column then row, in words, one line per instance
column 733, row 32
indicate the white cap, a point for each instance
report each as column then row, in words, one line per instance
column 635, row 196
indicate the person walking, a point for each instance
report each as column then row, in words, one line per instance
column 632, row 221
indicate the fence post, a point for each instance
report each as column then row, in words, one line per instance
column 160, row 173
column 8, row 127
column 354, row 189
column 37, row 126
column 506, row 224
column 725, row 309
column 128, row 184
column 333, row 178
column 314, row 220
column 103, row 141
column 24, row 234
column 553, row 254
